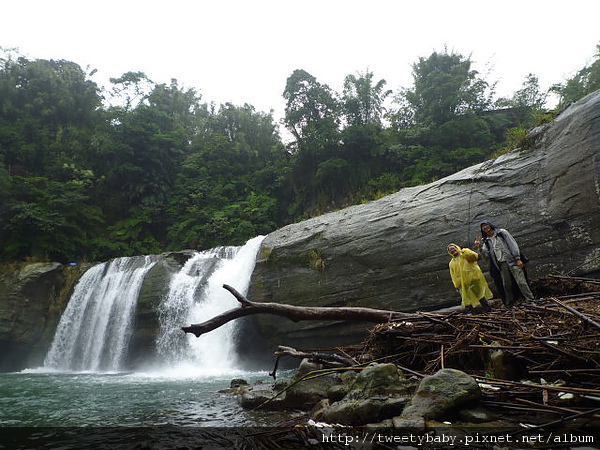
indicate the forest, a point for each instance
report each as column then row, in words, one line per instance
column 90, row 173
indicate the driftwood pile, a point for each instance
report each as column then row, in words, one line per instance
column 552, row 348
column 556, row 335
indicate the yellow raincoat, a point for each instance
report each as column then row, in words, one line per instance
column 468, row 277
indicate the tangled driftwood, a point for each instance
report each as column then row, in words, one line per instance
column 553, row 336
column 554, row 343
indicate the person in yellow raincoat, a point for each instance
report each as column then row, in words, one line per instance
column 468, row 278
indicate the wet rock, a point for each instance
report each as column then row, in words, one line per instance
column 361, row 412
column 264, row 396
column 445, row 391
column 237, row 382
column 32, row 298
column 409, row 424
column 502, row 364
column 379, row 392
column 304, row 393
column 338, row 392
column 378, row 380
column 237, row 386
column 476, row 414
column 154, row 288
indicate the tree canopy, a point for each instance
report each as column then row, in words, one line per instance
column 88, row 173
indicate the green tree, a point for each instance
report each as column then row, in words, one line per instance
column 463, row 131
column 363, row 100
column 445, row 86
column 130, row 89
column 312, row 115
column 585, row 81
column 141, row 154
column 48, row 220
column 529, row 97
column 48, row 111
column 226, row 190
column 526, row 104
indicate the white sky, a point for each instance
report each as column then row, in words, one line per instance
column 242, row 51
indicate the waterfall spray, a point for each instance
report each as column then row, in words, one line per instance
column 95, row 328
column 196, row 294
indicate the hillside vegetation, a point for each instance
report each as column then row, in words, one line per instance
column 89, row 173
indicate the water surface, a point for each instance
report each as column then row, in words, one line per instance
column 38, row 399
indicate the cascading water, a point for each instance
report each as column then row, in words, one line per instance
column 94, row 331
column 196, row 294
column 82, row 383
column 187, row 285
column 95, row 328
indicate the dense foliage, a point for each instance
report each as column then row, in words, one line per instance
column 90, row 174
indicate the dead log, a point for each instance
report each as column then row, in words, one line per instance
column 330, row 359
column 297, row 313
column 577, row 313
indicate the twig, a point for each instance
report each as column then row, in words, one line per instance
column 577, row 313
column 554, row 422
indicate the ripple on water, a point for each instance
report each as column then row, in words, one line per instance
column 51, row 399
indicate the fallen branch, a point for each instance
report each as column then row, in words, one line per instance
column 577, row 313
column 329, row 359
column 298, row 313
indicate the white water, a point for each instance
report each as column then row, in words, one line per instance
column 95, row 328
column 196, row 294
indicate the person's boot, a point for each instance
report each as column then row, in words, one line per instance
column 485, row 305
column 469, row 309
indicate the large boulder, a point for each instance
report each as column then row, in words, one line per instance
column 155, row 286
column 391, row 253
column 379, row 392
column 441, row 393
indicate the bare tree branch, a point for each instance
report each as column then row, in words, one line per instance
column 297, row 313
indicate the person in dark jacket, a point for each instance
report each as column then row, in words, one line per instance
column 507, row 267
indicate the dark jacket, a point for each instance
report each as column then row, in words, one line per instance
column 512, row 252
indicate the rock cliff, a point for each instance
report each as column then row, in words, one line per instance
column 391, row 253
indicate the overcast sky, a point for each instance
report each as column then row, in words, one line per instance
column 242, row 51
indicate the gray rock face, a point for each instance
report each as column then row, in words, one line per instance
column 391, row 253
column 32, row 298
column 379, row 392
column 142, row 347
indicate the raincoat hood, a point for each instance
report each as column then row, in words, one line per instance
column 455, row 245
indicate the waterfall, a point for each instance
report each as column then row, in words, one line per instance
column 173, row 312
column 196, row 294
column 95, row 328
